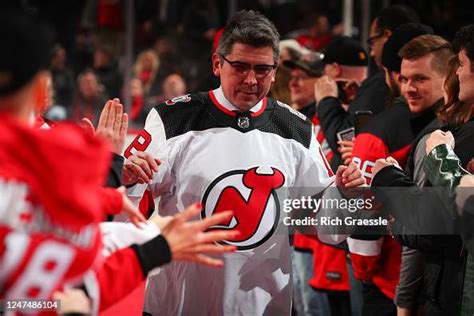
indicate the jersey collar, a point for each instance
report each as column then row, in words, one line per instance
column 222, row 103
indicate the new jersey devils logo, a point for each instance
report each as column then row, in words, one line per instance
column 252, row 197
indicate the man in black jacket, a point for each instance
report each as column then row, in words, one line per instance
column 446, row 258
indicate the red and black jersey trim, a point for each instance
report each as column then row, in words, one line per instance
column 232, row 113
column 200, row 114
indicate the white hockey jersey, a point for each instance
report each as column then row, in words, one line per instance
column 229, row 160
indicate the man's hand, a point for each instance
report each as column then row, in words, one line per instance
column 439, row 137
column 73, row 301
column 133, row 213
column 350, row 88
column 467, row 181
column 349, row 177
column 382, row 163
column 324, row 87
column 189, row 239
column 139, row 168
column 113, row 125
column 345, row 148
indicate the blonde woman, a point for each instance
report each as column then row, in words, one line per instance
column 146, row 67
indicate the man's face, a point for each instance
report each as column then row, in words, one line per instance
column 420, row 84
column 466, row 78
column 89, row 86
column 241, row 86
column 301, row 88
column 376, row 41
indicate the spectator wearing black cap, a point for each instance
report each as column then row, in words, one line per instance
column 387, row 134
column 345, row 59
column 304, row 73
column 345, row 62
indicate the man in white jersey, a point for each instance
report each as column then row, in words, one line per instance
column 232, row 148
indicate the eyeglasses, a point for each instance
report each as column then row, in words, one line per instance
column 371, row 39
column 243, row 69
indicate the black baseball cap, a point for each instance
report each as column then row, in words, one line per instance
column 311, row 63
column 400, row 36
column 24, row 49
column 345, row 51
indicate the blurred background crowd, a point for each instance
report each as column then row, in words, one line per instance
column 338, row 58
column 147, row 51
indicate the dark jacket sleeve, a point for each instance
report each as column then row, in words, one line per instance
column 114, row 179
column 436, row 245
column 443, row 167
column 420, row 210
column 466, row 224
column 333, row 119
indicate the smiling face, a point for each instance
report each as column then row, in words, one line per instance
column 420, row 83
column 244, row 91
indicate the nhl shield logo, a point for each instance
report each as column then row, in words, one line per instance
column 243, row 122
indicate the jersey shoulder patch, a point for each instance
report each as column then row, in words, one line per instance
column 182, row 98
column 293, row 111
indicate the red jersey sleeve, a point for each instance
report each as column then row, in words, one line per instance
column 112, row 201
column 118, row 276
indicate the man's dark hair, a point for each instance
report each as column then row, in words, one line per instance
column 251, row 28
column 464, row 39
column 393, row 16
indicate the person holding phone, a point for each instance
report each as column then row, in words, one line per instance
column 345, row 67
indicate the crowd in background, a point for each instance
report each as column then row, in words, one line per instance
column 172, row 45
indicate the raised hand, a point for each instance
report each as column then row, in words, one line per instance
column 439, row 137
column 113, row 125
column 188, row 240
column 345, row 148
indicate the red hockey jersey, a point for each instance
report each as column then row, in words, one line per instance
column 387, row 134
column 51, row 202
